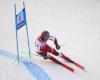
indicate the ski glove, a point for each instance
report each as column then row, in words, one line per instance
column 57, row 47
column 56, row 44
column 45, row 57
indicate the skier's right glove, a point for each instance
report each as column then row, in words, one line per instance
column 57, row 47
column 56, row 44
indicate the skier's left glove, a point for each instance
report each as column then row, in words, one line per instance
column 57, row 47
column 45, row 57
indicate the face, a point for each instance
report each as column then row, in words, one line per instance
column 46, row 37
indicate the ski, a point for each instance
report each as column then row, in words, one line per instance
column 65, row 66
column 73, row 62
column 79, row 66
column 60, row 63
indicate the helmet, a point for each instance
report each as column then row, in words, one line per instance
column 45, row 35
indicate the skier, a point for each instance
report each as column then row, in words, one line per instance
column 42, row 48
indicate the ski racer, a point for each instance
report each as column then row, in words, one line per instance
column 42, row 48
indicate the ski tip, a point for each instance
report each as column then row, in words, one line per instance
column 85, row 70
column 73, row 70
column 82, row 68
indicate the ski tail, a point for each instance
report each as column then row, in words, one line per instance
column 60, row 63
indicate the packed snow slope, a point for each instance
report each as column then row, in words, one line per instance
column 75, row 23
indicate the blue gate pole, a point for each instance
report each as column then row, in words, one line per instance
column 17, row 37
column 27, row 33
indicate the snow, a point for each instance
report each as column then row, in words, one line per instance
column 76, row 23
column 29, row 66
column 11, row 70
